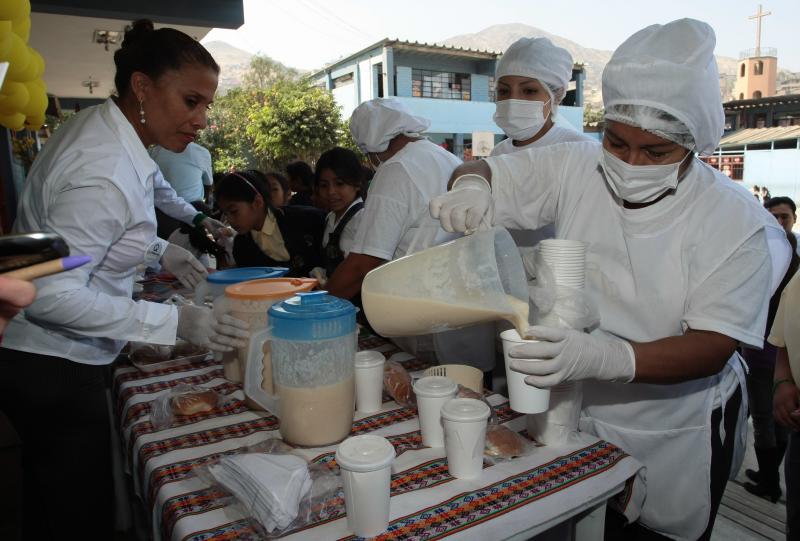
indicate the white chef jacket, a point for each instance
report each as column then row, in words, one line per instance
column 698, row 259
column 348, row 236
column 399, row 193
column 556, row 134
column 94, row 184
column 527, row 239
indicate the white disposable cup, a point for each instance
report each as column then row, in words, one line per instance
column 369, row 381
column 432, row 393
column 522, row 397
column 560, row 421
column 563, row 244
column 464, row 422
column 366, row 466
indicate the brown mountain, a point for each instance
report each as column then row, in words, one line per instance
column 233, row 63
column 500, row 36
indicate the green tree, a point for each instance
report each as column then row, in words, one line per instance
column 226, row 136
column 592, row 116
column 296, row 121
column 265, row 72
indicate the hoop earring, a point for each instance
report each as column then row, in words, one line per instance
column 141, row 112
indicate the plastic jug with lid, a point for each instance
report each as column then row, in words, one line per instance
column 302, row 368
column 249, row 302
column 470, row 280
column 215, row 283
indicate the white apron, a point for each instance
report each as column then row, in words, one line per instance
column 661, row 434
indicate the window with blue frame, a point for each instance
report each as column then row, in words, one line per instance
column 440, row 85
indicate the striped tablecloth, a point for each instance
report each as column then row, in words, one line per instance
column 427, row 503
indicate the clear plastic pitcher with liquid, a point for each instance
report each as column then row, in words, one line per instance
column 470, row 280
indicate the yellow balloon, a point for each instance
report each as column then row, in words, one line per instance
column 40, row 83
column 37, row 58
column 34, row 123
column 13, row 9
column 26, row 9
column 14, row 97
column 37, row 104
column 32, row 70
column 13, row 122
column 5, row 39
column 22, row 28
column 19, row 59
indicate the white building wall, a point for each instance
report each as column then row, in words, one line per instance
column 779, row 170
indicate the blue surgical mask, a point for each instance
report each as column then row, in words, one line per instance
column 639, row 183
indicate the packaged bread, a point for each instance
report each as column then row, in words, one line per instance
column 181, row 402
column 194, row 402
column 148, row 354
column 397, row 382
column 504, row 443
column 151, row 358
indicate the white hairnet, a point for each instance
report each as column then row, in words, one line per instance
column 539, row 59
column 670, row 68
column 376, row 122
column 654, row 121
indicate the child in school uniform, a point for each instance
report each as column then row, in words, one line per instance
column 268, row 236
column 339, row 180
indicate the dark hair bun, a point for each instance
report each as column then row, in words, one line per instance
column 137, row 31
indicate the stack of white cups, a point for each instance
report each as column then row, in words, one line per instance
column 567, row 262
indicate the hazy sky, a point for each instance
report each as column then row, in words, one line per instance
column 308, row 34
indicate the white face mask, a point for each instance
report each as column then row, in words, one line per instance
column 520, row 119
column 639, row 183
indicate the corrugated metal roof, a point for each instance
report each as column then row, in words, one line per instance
column 750, row 136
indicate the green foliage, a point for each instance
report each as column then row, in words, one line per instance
column 265, row 72
column 591, row 116
column 271, row 120
column 226, row 136
column 296, row 121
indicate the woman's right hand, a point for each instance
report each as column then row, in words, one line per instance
column 785, row 404
column 14, row 296
column 199, row 325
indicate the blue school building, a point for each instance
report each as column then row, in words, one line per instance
column 450, row 86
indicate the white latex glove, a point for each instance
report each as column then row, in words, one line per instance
column 570, row 355
column 199, row 325
column 186, row 268
column 320, row 274
column 466, row 206
column 218, row 229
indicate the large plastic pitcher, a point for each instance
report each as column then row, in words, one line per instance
column 302, row 368
column 249, row 302
column 215, row 283
column 470, row 280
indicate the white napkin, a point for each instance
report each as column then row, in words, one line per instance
column 271, row 487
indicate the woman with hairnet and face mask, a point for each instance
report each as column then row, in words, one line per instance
column 532, row 78
column 409, row 172
column 681, row 264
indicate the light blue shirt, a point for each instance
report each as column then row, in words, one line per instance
column 187, row 171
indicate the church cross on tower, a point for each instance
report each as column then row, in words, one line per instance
column 758, row 16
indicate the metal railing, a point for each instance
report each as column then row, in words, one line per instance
column 763, row 51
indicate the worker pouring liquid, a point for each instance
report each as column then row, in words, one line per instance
column 684, row 265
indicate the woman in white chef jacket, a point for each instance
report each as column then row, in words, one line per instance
column 531, row 80
column 685, row 265
column 95, row 185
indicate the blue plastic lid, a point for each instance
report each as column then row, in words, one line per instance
column 312, row 316
column 244, row 274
